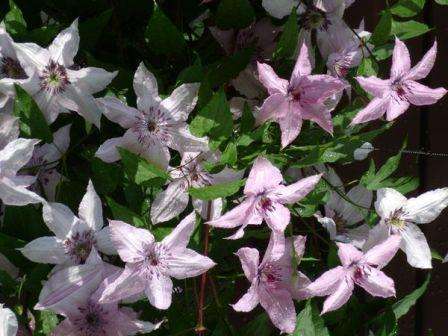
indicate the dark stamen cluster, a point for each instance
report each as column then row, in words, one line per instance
column 11, row 68
column 54, row 78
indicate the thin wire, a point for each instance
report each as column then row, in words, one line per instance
column 413, row 152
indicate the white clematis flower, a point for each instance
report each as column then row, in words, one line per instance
column 8, row 322
column 400, row 215
column 55, row 85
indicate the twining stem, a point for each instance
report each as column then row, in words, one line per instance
column 200, row 328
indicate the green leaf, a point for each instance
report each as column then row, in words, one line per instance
column 259, row 326
column 215, row 191
column 142, row 171
column 247, row 119
column 32, row 121
column 106, row 176
column 91, row 30
column 407, row 8
column 310, row 323
column 214, row 120
column 387, row 324
column 288, row 40
column 47, row 322
column 162, row 35
column 382, row 31
column 234, row 14
column 402, row 307
column 442, row 2
column 377, row 181
column 368, row 67
column 409, row 29
column 121, row 212
column 14, row 22
column 230, row 154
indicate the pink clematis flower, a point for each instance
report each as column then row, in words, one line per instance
column 394, row 96
column 155, row 125
column 150, row 264
column 75, row 237
column 400, row 216
column 303, row 97
column 265, row 196
column 191, row 173
column 274, row 283
column 357, row 268
column 54, row 83
column 74, row 293
column 45, row 159
column 15, row 154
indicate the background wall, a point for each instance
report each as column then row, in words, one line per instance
column 426, row 129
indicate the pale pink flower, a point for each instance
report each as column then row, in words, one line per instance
column 343, row 219
column 150, row 264
column 45, row 160
column 400, row 216
column 302, row 97
column 11, row 72
column 261, row 36
column 265, row 196
column 155, row 125
column 357, row 268
column 274, row 282
column 74, row 292
column 190, row 174
column 75, row 237
column 393, row 96
column 13, row 187
column 9, row 129
column 54, row 83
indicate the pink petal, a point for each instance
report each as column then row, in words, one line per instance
column 340, row 296
column 108, row 151
column 128, row 284
column 115, row 110
column 401, row 61
column 270, row 80
column 397, row 106
column 381, row 254
column 59, row 219
column 178, row 238
column 181, row 101
column 290, row 124
column 318, row 88
column 131, row 242
column 277, row 251
column 299, row 287
column 170, row 202
column 348, row 254
column 327, row 283
column 245, row 213
column 263, row 176
column 248, row 301
column 274, row 107
column 423, row 68
column 159, row 291
column 374, row 110
column 373, row 85
column 376, row 283
column 146, row 89
column 47, row 250
column 420, row 95
column 278, row 217
column 187, row 264
column 249, row 258
column 90, row 208
column 279, row 305
column 303, row 66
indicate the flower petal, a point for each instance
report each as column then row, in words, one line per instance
column 373, row 85
column 278, row 217
column 388, row 200
column 91, row 79
column 65, row 46
column 8, row 322
column 16, row 154
column 170, row 202
column 328, row 282
column 181, row 102
column 401, row 60
column 421, row 95
column 374, row 110
column 248, row 301
column 159, row 291
column 295, row 192
column 270, row 80
column 46, row 250
column 303, row 66
column 397, row 106
column 249, row 258
column 415, row 246
column 178, row 239
column 279, row 8
column 15, row 194
column 59, row 219
column 340, row 296
column 423, row 68
column 376, row 283
column 348, row 254
column 90, row 209
column 115, row 110
column 263, row 176
column 146, row 89
column 380, row 255
column 274, row 107
column 426, row 207
column 187, row 264
column 104, row 242
column 108, row 151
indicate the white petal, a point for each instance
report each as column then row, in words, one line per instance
column 388, row 201
column 115, row 110
column 16, row 194
column 59, row 219
column 32, row 56
column 108, row 151
column 181, row 102
column 8, row 322
column 15, row 155
column 65, row 46
column 279, row 8
column 362, row 152
column 91, row 79
column 415, row 246
column 104, row 242
column 426, row 207
column 170, row 202
column 46, row 250
column 90, row 209
column 146, row 89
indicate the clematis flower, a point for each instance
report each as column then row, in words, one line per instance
column 393, row 96
column 265, row 196
column 274, row 282
column 75, row 237
column 342, row 217
column 8, row 322
column 150, row 264
column 8, row 267
column 260, row 35
column 45, row 160
column 303, row 97
column 74, row 293
column 357, row 268
column 11, row 72
column 174, row 199
column 155, row 125
column 13, row 187
column 400, row 216
column 53, row 81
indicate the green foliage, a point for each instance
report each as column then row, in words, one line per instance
column 216, row 191
column 286, row 46
column 383, row 30
column 234, row 14
column 310, row 323
column 407, row 8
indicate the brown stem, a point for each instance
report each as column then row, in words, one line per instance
column 200, row 328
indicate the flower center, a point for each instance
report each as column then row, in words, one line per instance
column 340, row 223
column 358, row 273
column 79, row 246
column 397, row 222
column 153, row 126
column 54, row 78
column 266, row 204
column 11, row 68
column 271, row 275
column 155, row 257
column 93, row 320
column 314, row 18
